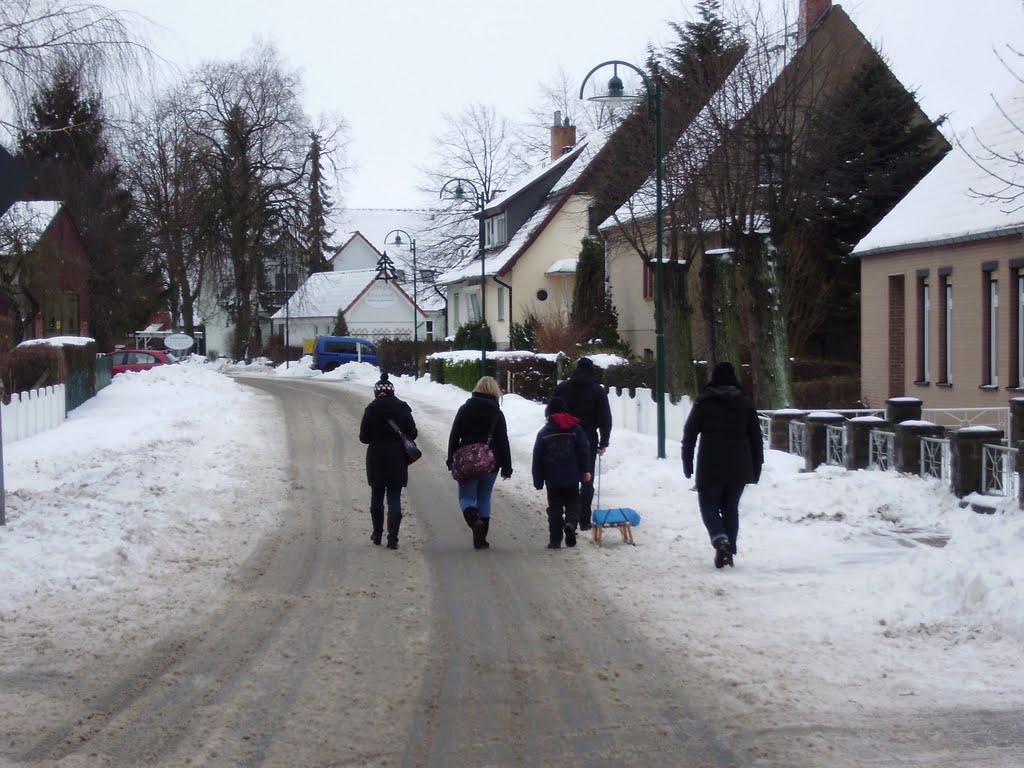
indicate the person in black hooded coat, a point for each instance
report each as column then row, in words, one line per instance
column 730, row 456
column 387, row 468
column 587, row 400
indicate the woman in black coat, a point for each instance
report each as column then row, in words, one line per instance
column 387, row 469
column 730, row 456
column 480, row 420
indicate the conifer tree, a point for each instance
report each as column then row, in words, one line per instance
column 66, row 149
column 340, row 325
column 592, row 308
column 317, row 235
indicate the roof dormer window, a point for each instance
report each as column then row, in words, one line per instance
column 494, row 230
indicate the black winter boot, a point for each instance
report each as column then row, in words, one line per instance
column 554, row 532
column 471, row 516
column 377, row 520
column 394, row 523
column 723, row 555
column 480, row 530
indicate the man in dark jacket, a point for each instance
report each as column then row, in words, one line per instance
column 387, row 468
column 561, row 459
column 730, row 456
column 588, row 401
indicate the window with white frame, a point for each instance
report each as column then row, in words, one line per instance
column 473, row 307
column 992, row 328
column 455, row 311
column 501, row 302
column 947, row 330
column 494, row 231
column 924, row 319
column 429, row 324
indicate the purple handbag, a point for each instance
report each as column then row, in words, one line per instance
column 474, row 460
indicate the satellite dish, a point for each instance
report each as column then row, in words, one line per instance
column 179, row 342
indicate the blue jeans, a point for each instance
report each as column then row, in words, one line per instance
column 720, row 510
column 394, row 497
column 477, row 493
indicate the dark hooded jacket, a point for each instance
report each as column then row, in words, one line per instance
column 588, row 401
column 731, row 451
column 561, row 453
column 386, row 464
column 474, row 421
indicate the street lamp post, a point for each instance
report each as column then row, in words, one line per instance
column 415, row 296
column 616, row 95
column 459, row 193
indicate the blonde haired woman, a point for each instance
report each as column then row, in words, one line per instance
column 480, row 420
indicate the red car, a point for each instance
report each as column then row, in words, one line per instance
column 138, row 360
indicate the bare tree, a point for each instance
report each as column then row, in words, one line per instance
column 247, row 119
column 1003, row 164
column 480, row 146
column 173, row 193
column 36, row 34
column 561, row 95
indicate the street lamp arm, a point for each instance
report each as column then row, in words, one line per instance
column 617, row 63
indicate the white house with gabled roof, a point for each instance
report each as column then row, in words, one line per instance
column 534, row 233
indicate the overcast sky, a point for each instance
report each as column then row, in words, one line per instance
column 391, row 69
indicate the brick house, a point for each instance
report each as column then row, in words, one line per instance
column 44, row 273
column 942, row 277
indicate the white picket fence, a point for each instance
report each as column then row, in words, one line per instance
column 32, row 412
column 639, row 413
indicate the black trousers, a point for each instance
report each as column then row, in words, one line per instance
column 563, row 511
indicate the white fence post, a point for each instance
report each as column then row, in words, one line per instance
column 32, row 412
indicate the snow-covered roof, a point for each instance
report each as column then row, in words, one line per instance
column 562, row 267
column 496, row 261
column 952, row 202
column 375, row 223
column 531, row 177
column 324, row 293
column 27, row 221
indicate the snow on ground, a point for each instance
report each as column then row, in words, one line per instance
column 862, row 587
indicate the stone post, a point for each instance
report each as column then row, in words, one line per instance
column 1016, row 420
column 1020, row 474
column 778, row 439
column 858, row 440
column 899, row 409
column 908, row 444
column 965, row 451
column 816, row 437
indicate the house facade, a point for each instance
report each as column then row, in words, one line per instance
column 942, row 277
column 45, row 271
column 534, row 233
column 810, row 62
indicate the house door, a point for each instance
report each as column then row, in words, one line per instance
column 897, row 336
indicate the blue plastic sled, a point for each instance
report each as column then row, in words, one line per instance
column 616, row 516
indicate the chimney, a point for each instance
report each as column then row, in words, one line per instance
column 810, row 12
column 563, row 136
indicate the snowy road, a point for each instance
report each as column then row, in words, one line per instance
column 333, row 652
column 317, row 649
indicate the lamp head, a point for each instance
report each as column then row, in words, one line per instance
column 398, row 239
column 616, row 94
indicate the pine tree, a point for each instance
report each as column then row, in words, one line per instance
column 70, row 161
column 317, row 235
column 592, row 308
column 340, row 326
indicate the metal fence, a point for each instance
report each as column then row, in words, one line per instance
column 998, row 471
column 835, row 445
column 882, row 450
column 766, row 428
column 797, row 438
column 935, row 458
column 958, row 418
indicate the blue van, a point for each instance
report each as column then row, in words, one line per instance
column 331, row 351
